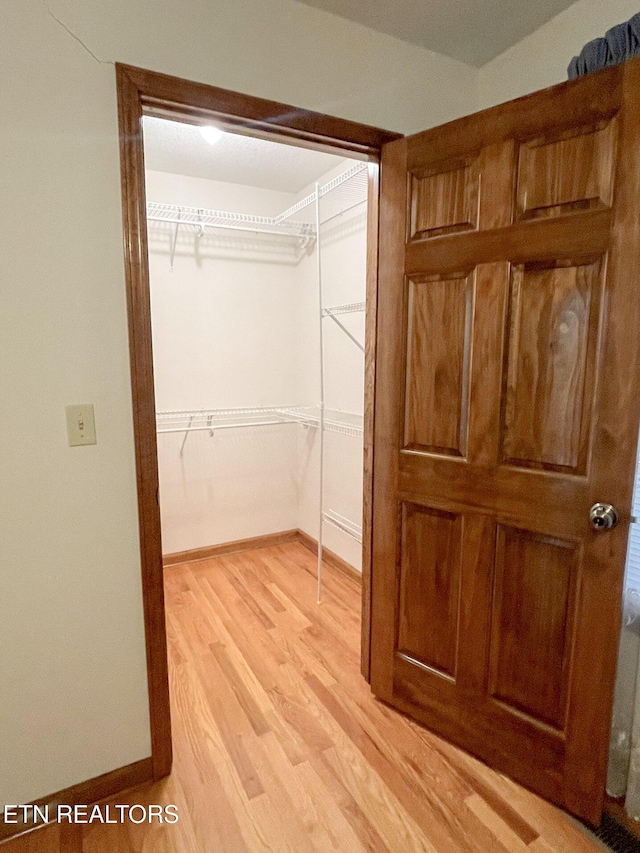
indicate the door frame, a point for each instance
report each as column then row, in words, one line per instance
column 143, row 92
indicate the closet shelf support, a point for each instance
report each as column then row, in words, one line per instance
column 174, row 242
column 346, row 331
column 186, row 436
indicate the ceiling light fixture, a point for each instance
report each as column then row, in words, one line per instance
column 210, row 133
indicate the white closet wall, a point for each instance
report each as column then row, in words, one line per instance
column 236, row 324
column 223, row 337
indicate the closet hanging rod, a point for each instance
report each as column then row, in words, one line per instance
column 343, row 211
column 222, row 413
column 213, row 427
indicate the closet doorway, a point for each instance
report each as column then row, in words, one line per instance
column 257, row 261
column 301, row 420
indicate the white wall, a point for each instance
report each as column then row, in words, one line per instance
column 224, row 330
column 74, row 698
column 541, row 59
column 73, row 703
column 282, row 50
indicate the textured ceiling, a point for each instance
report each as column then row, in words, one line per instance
column 473, row 31
column 171, row 146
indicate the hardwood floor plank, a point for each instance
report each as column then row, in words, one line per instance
column 242, row 694
column 257, row 585
column 207, row 806
column 423, row 802
column 250, row 601
column 554, row 827
column 48, row 841
column 321, row 811
column 298, row 706
column 220, row 780
column 349, row 807
column 288, row 605
column 380, row 804
column 248, row 658
column 255, row 678
column 288, row 797
column 303, row 656
column 542, row 846
column 514, row 820
column 233, row 725
column 494, row 823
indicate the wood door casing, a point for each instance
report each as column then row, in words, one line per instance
column 507, row 403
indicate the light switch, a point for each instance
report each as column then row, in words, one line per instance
column 81, row 425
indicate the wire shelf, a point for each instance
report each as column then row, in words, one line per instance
column 201, row 218
column 358, row 170
column 351, row 308
column 346, row 193
column 353, row 185
column 296, row 208
column 343, row 423
column 212, row 419
column 201, row 420
column 344, row 524
column 209, row 420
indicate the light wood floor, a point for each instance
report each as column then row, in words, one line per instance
column 279, row 745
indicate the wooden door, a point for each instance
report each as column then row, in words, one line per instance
column 507, row 403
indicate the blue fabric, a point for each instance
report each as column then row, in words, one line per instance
column 619, row 44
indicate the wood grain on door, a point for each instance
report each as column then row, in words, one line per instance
column 507, row 403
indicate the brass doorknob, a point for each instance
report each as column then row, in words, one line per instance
column 603, row 516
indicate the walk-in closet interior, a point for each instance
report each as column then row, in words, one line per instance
column 257, row 256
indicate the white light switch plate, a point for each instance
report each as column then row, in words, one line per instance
column 81, row 425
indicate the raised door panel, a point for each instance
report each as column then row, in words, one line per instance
column 438, row 322
column 572, row 171
column 551, row 359
column 443, row 200
column 429, row 588
column 532, row 623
